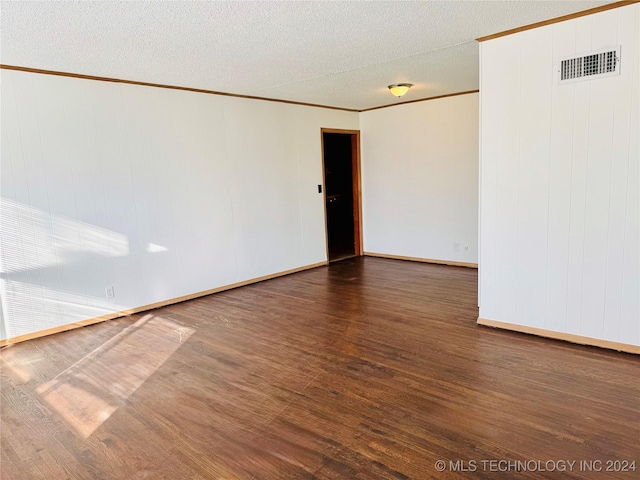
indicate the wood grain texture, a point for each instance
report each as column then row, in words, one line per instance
column 551, row 21
column 170, row 301
column 369, row 368
column 356, row 175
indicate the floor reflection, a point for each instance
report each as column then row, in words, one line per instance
column 89, row 391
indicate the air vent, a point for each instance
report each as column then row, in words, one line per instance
column 597, row 64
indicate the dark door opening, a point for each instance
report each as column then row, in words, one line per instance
column 342, row 193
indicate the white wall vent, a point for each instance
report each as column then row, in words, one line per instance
column 589, row 66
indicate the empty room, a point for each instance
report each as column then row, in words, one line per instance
column 319, row 239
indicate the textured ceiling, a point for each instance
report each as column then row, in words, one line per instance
column 331, row 53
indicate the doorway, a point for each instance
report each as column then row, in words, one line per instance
column 341, row 169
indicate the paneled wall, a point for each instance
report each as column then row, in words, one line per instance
column 157, row 193
column 559, row 222
column 420, row 179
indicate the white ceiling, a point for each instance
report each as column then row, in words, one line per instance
column 330, row 53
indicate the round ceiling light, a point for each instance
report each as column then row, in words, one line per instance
column 399, row 89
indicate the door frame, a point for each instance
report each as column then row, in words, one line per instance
column 356, row 187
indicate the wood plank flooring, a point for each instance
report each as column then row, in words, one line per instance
column 367, row 369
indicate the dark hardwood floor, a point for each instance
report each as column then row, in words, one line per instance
column 367, row 369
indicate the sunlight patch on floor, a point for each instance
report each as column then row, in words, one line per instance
column 88, row 392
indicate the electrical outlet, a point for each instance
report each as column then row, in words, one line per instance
column 456, row 247
column 110, row 292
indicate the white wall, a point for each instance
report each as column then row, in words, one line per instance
column 420, row 179
column 159, row 193
column 559, row 182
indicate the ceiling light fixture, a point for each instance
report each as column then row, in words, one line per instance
column 399, row 89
